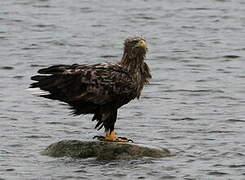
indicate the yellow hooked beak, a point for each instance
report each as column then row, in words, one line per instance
column 142, row 44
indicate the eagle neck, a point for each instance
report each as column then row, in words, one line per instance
column 133, row 64
column 138, row 70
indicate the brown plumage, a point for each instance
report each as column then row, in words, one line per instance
column 98, row 89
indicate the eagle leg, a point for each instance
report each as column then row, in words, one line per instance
column 111, row 136
column 108, row 119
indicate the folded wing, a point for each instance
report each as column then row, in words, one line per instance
column 86, row 87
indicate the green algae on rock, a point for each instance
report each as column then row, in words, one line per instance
column 103, row 150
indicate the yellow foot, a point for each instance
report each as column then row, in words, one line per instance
column 111, row 136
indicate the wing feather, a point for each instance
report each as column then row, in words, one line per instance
column 97, row 84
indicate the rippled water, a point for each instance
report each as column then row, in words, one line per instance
column 194, row 105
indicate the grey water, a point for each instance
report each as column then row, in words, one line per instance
column 194, row 106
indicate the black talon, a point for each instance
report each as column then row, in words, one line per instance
column 99, row 137
column 124, row 138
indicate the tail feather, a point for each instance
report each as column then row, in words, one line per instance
column 38, row 77
column 42, row 81
column 56, row 69
column 49, row 83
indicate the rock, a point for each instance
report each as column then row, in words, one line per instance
column 103, row 150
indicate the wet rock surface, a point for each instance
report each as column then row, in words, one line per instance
column 103, row 150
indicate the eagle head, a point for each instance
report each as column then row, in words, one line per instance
column 135, row 46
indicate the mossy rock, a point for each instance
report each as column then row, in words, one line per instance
column 103, row 150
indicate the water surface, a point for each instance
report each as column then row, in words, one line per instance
column 194, row 105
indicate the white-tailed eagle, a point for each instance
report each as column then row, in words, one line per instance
column 99, row 89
